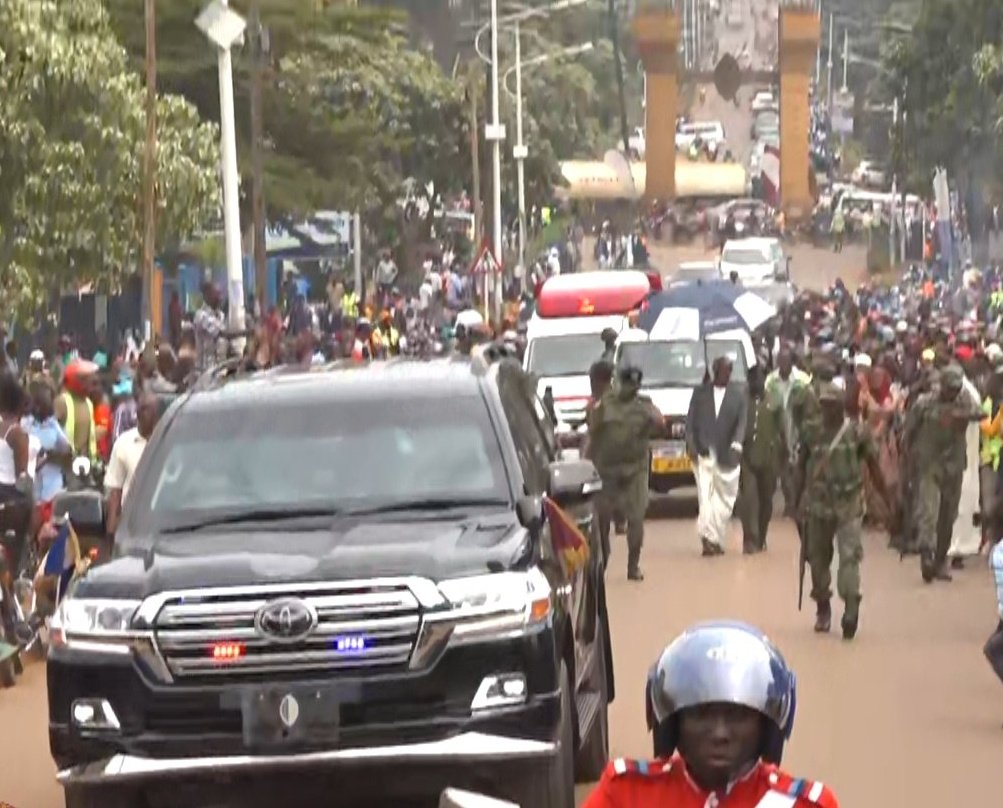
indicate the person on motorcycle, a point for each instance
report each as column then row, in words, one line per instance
column 16, row 487
column 75, row 409
column 720, row 702
column 55, row 450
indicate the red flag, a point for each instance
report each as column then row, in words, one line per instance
column 569, row 541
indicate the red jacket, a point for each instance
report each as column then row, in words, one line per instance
column 665, row 784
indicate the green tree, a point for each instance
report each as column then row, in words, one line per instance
column 72, row 127
column 948, row 111
column 350, row 110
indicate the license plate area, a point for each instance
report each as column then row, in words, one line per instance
column 670, row 458
column 276, row 717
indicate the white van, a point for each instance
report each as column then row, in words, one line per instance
column 563, row 335
column 710, row 132
column 672, row 370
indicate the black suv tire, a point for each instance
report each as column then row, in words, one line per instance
column 553, row 786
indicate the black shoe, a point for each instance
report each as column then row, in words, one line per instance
column 849, row 627
column 957, row 563
column 926, row 566
column 710, row 549
column 635, row 574
column 823, row 617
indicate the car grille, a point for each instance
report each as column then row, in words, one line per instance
column 357, row 627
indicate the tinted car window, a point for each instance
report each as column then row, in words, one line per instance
column 565, row 355
column 355, row 454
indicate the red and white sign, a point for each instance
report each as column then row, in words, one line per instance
column 486, row 263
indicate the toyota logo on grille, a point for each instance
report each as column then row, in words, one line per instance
column 286, row 620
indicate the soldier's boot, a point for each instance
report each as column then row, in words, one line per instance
column 851, row 617
column 927, row 568
column 634, row 565
column 940, row 572
column 823, row 617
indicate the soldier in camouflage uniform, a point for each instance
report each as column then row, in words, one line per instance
column 935, row 433
column 832, row 507
column 620, row 426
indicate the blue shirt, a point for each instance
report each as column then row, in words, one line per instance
column 49, row 477
column 996, row 564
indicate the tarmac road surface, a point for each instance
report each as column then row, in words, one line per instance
column 908, row 714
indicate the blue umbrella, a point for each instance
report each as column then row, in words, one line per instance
column 693, row 310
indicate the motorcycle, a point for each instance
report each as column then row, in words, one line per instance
column 82, row 503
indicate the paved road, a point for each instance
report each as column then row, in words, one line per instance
column 906, row 715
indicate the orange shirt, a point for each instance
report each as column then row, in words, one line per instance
column 665, row 784
column 102, row 425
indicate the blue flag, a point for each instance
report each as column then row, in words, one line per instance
column 63, row 557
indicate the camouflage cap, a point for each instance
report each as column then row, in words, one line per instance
column 829, row 392
column 952, row 377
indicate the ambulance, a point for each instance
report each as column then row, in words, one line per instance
column 672, row 369
column 563, row 335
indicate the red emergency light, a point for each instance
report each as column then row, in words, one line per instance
column 224, row 652
column 592, row 294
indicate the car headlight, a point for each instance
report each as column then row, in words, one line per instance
column 94, row 624
column 498, row 604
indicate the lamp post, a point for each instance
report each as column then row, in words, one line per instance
column 520, row 151
column 494, row 132
column 223, row 27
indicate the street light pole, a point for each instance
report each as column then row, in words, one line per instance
column 496, row 135
column 231, row 191
column 520, row 152
column 150, row 172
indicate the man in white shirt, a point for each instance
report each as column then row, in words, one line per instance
column 125, row 456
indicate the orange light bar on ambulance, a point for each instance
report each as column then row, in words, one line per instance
column 592, row 294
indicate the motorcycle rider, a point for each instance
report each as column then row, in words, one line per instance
column 75, row 409
column 720, row 703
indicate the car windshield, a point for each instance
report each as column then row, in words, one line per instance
column 564, row 355
column 681, row 363
column 744, row 257
column 317, row 457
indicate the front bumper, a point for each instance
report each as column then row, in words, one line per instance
column 468, row 748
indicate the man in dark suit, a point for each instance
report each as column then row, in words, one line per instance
column 715, row 432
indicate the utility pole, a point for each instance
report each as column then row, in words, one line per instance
column 475, row 157
column 150, row 171
column 846, row 56
column 261, row 48
column 614, row 36
column 828, row 80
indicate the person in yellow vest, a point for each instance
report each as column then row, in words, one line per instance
column 75, row 409
column 991, row 445
column 350, row 302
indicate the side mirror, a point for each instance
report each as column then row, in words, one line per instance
column 529, row 509
column 455, row 798
column 573, row 479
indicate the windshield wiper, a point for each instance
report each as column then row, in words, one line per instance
column 429, row 504
column 252, row 515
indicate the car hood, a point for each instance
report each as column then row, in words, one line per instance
column 434, row 547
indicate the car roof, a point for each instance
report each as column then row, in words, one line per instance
column 341, row 380
column 753, row 242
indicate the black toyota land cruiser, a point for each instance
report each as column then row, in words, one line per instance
column 337, row 581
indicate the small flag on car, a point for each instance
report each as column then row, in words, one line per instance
column 570, row 543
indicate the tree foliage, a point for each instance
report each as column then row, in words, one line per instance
column 72, row 128
column 350, row 110
column 950, row 111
